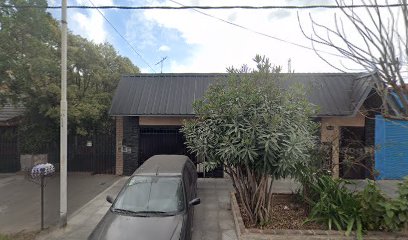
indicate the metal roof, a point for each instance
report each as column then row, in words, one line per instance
column 173, row 94
column 163, row 165
column 8, row 112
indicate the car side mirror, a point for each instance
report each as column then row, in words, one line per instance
column 109, row 199
column 194, row 202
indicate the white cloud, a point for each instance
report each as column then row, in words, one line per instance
column 164, row 48
column 140, row 30
column 209, row 44
column 221, row 45
column 91, row 25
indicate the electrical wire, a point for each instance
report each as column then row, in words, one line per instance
column 194, row 8
column 209, row 7
column 261, row 33
column 128, row 43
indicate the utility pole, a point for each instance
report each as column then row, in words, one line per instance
column 161, row 64
column 63, row 122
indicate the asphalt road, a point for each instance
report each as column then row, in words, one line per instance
column 20, row 199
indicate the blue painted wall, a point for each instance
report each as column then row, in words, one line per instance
column 391, row 148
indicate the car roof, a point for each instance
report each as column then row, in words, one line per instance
column 163, row 165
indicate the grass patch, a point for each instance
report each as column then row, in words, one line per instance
column 19, row 236
column 4, row 237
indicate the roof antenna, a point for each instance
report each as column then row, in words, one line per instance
column 161, row 64
column 157, row 170
column 289, row 65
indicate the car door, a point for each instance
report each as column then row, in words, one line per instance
column 188, row 187
column 193, row 172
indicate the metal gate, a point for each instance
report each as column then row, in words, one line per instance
column 169, row 140
column 95, row 154
column 154, row 141
column 9, row 155
column 88, row 154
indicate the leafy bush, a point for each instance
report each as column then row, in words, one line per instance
column 257, row 129
column 381, row 213
column 333, row 204
column 371, row 207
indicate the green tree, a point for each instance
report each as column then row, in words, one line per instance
column 257, row 129
column 30, row 75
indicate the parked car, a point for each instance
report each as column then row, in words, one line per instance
column 156, row 202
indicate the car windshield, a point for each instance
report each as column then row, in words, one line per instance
column 151, row 194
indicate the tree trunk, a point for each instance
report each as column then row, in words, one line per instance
column 254, row 192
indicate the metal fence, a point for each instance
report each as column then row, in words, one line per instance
column 94, row 154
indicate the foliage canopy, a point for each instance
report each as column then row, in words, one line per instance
column 30, row 75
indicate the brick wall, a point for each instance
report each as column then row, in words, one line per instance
column 131, row 137
column 119, row 139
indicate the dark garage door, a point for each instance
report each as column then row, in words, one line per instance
column 169, row 140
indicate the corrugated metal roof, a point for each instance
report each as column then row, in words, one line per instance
column 335, row 94
column 361, row 88
column 8, row 112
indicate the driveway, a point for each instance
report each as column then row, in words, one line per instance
column 213, row 217
column 20, row 199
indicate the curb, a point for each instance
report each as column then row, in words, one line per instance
column 93, row 199
column 244, row 233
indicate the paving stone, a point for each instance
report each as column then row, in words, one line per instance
column 225, row 214
column 229, row 235
column 210, row 206
column 208, row 225
column 226, row 224
column 211, row 235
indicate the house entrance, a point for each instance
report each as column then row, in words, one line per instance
column 353, row 156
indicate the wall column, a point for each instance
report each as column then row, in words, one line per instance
column 131, row 137
column 118, row 151
column 336, row 152
column 331, row 134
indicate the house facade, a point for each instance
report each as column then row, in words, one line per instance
column 149, row 110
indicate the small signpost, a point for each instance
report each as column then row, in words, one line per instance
column 38, row 174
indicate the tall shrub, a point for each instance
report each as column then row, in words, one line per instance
column 257, row 129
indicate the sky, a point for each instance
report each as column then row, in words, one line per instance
column 201, row 41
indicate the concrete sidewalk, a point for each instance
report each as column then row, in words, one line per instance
column 20, row 199
column 83, row 221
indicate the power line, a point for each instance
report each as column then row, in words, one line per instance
column 116, row 30
column 299, row 7
column 261, row 33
